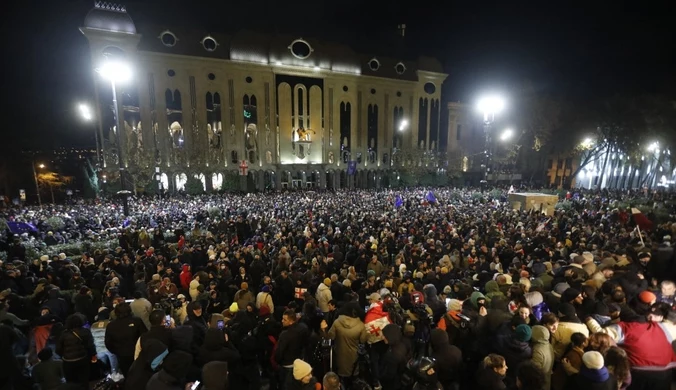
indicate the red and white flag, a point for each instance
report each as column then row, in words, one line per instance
column 376, row 319
column 641, row 220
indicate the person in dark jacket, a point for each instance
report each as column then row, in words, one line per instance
column 593, row 374
column 84, row 304
column 448, row 358
column 48, row 373
column 174, row 369
column 290, row 344
column 122, row 334
column 217, row 347
column 492, row 372
column 158, row 331
column 77, row 350
column 393, row 363
column 198, row 324
column 514, row 346
column 147, row 364
column 530, row 377
column 57, row 305
column 215, row 376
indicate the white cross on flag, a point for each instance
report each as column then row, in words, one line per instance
column 376, row 319
column 243, row 168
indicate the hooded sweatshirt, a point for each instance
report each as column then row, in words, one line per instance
column 146, row 365
column 493, row 290
column 448, row 357
column 214, row 376
column 215, row 348
column 393, row 364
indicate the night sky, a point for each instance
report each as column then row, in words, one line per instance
column 580, row 51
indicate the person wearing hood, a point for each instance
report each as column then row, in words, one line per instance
column 198, row 324
column 192, row 290
column 323, row 295
column 122, row 334
column 215, row 376
column 172, row 375
column 569, row 323
column 148, row 363
column 393, row 363
column 185, row 277
column 217, row 347
column 448, row 358
column 492, row 372
column 593, row 374
column 493, row 290
column 348, row 331
column 514, row 346
column 432, row 300
column 543, row 352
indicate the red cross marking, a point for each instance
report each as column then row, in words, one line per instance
column 243, row 168
column 374, row 330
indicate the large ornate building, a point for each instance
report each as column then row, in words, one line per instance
column 301, row 112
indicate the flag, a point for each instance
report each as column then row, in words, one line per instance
column 352, row 168
column 511, row 190
column 21, row 227
column 430, row 197
column 376, row 319
column 641, row 220
column 126, row 223
column 398, row 202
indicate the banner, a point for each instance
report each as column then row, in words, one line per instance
column 21, row 227
column 352, row 168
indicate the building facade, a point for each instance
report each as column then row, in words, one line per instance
column 290, row 111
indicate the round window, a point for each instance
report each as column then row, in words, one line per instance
column 300, row 49
column 374, row 64
column 398, row 93
column 248, row 79
column 171, row 73
column 211, row 76
column 168, row 38
column 400, row 68
column 430, row 88
column 345, row 88
column 373, row 91
column 209, row 43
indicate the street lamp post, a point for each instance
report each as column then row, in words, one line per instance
column 116, row 71
column 37, row 186
column 489, row 106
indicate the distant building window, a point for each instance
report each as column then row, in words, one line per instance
column 374, row 64
column 248, row 80
column 398, row 93
column 209, row 43
column 171, row 73
column 430, row 88
column 168, row 38
column 400, row 68
column 211, row 76
column 373, row 91
column 458, row 132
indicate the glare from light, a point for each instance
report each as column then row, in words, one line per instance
column 85, row 112
column 41, row 166
column 587, row 143
column 115, row 71
column 403, row 125
column 654, row 146
column 316, row 68
column 506, row 134
column 491, row 105
column 278, row 63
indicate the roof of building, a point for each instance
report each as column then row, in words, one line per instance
column 110, row 17
column 260, row 47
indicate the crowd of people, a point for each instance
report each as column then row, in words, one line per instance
column 351, row 289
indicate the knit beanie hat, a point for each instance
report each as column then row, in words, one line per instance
column 559, row 289
column 234, row 308
column 301, row 369
column 569, row 294
column 593, row 360
column 370, row 273
column 647, row 297
column 327, row 282
column 523, row 333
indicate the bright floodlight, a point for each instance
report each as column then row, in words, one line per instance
column 85, row 112
column 491, row 105
column 506, row 134
column 653, row 146
column 403, row 125
column 587, row 142
column 115, row 71
column 41, row 166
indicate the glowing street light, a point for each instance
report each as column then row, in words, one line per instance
column 115, row 71
column 655, row 146
column 489, row 106
column 587, row 143
column 85, row 112
column 506, row 134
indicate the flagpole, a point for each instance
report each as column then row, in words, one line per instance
column 638, row 229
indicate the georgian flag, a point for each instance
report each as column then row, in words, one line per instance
column 641, row 220
column 376, row 319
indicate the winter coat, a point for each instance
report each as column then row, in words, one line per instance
column 163, row 380
column 215, row 348
column 98, row 330
column 393, row 364
column 48, row 374
column 193, row 290
column 592, row 380
column 75, row 345
column 141, row 308
column 560, row 377
column 513, row 350
column 561, row 338
column 493, row 290
column 448, row 357
column 264, row 298
column 198, row 325
column 121, row 335
column 348, row 332
column 185, row 277
column 213, row 376
column 323, row 297
column 243, row 298
column 291, row 343
column 146, row 365
column 488, row 379
column 543, row 352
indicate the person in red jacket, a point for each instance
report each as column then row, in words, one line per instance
column 185, row 277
